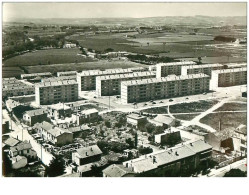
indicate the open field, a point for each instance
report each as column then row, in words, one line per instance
column 156, row 110
column 199, row 106
column 227, row 120
column 186, row 117
column 101, row 64
column 232, row 107
column 44, row 57
column 12, row 71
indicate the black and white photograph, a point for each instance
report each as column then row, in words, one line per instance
column 124, row 89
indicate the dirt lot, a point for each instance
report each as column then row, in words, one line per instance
column 199, row 106
column 232, row 107
column 227, row 120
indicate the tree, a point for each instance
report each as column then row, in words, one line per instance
column 56, row 167
column 235, row 173
column 136, row 140
column 109, row 50
column 149, row 127
column 108, row 124
column 130, row 142
column 199, row 59
column 6, row 164
column 145, row 150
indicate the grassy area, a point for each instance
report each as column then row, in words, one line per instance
column 227, row 120
column 156, row 110
column 186, row 117
column 232, row 107
column 102, row 64
column 12, row 71
column 45, row 57
column 199, row 106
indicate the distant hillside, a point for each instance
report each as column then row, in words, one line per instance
column 169, row 20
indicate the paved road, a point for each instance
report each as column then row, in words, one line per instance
column 20, row 132
column 242, row 164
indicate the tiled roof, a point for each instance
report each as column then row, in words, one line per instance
column 21, row 146
column 89, row 151
column 35, row 112
column 79, row 128
column 117, row 171
column 136, row 116
column 163, row 157
column 11, row 141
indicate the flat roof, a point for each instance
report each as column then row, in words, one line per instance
column 164, row 79
column 230, row 70
column 177, row 63
column 60, row 78
column 203, row 66
column 135, row 116
column 127, row 75
column 56, row 83
column 36, row 74
column 107, row 71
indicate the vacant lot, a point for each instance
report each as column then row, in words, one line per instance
column 101, row 64
column 45, row 57
column 199, row 106
column 186, row 117
column 227, row 120
column 232, row 107
column 157, row 110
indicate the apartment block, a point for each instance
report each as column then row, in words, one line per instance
column 196, row 69
column 109, row 85
column 87, row 79
column 165, row 87
column 59, row 78
column 34, row 75
column 165, row 69
column 228, row 77
column 13, row 87
column 55, row 92
column 66, row 73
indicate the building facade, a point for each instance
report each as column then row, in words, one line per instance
column 109, row 85
column 35, row 116
column 161, row 88
column 165, row 69
column 87, row 79
column 196, row 69
column 228, row 77
column 55, row 92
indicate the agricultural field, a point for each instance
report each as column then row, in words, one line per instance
column 227, row 120
column 233, row 107
column 45, row 57
column 12, row 71
column 101, row 64
column 192, row 107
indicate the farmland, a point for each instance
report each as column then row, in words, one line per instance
column 233, row 107
column 45, row 57
column 101, row 64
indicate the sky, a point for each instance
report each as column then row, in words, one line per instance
column 114, row 10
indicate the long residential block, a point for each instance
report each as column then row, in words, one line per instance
column 165, row 69
column 228, row 77
column 34, row 75
column 55, row 92
column 196, row 69
column 109, row 85
column 165, row 87
column 87, row 79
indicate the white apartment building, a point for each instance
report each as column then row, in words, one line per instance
column 55, row 92
column 109, row 85
column 228, row 77
column 87, row 79
column 196, row 69
column 66, row 73
column 161, row 88
column 165, row 69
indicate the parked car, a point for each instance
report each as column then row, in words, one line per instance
column 171, row 100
